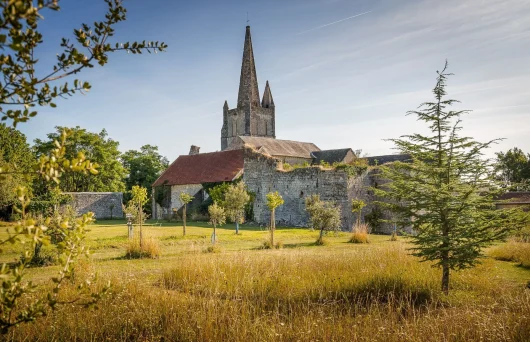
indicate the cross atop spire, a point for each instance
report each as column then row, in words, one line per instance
column 248, row 83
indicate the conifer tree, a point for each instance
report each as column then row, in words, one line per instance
column 446, row 191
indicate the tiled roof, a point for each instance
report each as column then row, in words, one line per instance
column 380, row 160
column 277, row 147
column 516, row 196
column 331, row 156
column 203, row 168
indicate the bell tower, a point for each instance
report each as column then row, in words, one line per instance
column 251, row 117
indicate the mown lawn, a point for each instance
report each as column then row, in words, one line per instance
column 337, row 292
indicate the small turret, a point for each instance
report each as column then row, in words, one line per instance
column 267, row 101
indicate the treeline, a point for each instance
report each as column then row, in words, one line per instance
column 117, row 171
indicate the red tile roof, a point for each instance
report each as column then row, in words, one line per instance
column 203, row 168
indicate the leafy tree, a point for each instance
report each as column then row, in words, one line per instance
column 236, row 198
column 325, row 215
column 217, row 193
column 513, row 169
column 217, row 218
column 143, row 168
column 139, row 198
column 185, row 199
column 446, row 192
column 17, row 160
column 95, row 146
column 25, row 85
column 357, row 206
column 274, row 200
column 18, row 301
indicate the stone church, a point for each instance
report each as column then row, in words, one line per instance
column 251, row 152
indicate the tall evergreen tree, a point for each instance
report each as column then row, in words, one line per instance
column 446, row 193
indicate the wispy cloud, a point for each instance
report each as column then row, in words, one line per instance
column 333, row 23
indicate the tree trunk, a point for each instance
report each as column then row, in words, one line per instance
column 273, row 226
column 237, row 224
column 184, row 220
column 214, row 238
column 321, row 236
column 141, row 237
column 36, row 252
column 445, row 255
column 445, row 279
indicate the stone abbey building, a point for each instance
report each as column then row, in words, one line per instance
column 251, row 152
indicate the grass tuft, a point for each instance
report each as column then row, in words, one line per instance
column 213, row 249
column 513, row 251
column 150, row 248
column 360, row 234
column 267, row 245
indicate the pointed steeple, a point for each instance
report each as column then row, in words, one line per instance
column 267, row 101
column 248, row 83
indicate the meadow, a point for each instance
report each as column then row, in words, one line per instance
column 302, row 292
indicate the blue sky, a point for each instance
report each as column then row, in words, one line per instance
column 337, row 83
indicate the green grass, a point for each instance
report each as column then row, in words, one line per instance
column 337, row 292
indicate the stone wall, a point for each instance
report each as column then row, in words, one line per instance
column 262, row 176
column 195, row 190
column 104, row 205
column 361, row 188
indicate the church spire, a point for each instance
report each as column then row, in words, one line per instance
column 267, row 101
column 248, row 83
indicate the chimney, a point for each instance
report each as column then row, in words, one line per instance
column 194, row 150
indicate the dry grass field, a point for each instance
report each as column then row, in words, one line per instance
column 337, row 292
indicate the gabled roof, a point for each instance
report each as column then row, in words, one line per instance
column 516, row 197
column 380, row 160
column 330, row 156
column 203, row 168
column 276, row 147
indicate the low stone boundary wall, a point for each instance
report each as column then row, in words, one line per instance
column 105, row 205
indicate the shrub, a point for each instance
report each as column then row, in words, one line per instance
column 150, row 248
column 287, row 167
column 44, row 257
column 393, row 237
column 267, row 245
column 360, row 233
column 375, row 218
column 213, row 249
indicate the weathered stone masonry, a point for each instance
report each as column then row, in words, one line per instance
column 262, row 176
column 103, row 204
